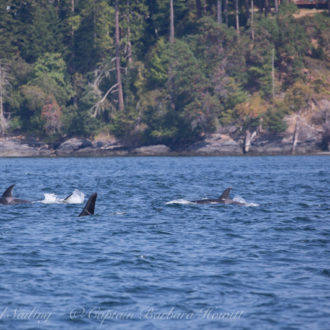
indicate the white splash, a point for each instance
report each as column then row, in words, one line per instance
column 50, row 199
column 77, row 197
column 243, row 201
column 179, row 201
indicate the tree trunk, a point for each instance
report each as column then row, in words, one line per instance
column 129, row 43
column 273, row 73
column 296, row 133
column 226, row 12
column 252, row 20
column 267, row 8
column 171, row 22
column 247, row 10
column 237, row 17
column 276, row 6
column 248, row 139
column 219, row 11
column 3, row 121
column 129, row 46
column 120, row 86
column 2, row 117
column 199, row 8
column 204, row 5
column 170, row 73
column 72, row 38
column 94, row 25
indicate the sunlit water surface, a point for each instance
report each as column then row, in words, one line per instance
column 150, row 259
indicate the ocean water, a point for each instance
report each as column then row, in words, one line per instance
column 149, row 259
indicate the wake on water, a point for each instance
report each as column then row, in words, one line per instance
column 77, row 197
column 236, row 199
column 242, row 200
column 180, row 201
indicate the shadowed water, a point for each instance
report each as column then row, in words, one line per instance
column 149, row 259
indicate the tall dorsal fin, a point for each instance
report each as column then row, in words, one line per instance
column 90, row 206
column 8, row 192
column 225, row 194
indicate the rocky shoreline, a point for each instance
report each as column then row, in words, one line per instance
column 302, row 136
column 212, row 145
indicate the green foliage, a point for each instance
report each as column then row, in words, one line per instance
column 49, row 73
column 273, row 120
column 158, row 64
column 93, row 38
column 298, row 96
column 37, row 24
column 63, row 80
column 7, row 31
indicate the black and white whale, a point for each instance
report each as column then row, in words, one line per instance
column 8, row 199
column 223, row 199
column 90, row 206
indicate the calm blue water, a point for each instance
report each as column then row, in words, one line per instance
column 143, row 264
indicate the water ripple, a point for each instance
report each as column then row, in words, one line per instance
column 150, row 259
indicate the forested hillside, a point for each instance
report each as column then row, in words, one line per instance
column 161, row 71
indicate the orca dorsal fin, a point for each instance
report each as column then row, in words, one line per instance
column 225, row 194
column 8, row 192
column 90, row 206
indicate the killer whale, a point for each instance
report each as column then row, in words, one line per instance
column 8, row 199
column 223, row 199
column 90, row 206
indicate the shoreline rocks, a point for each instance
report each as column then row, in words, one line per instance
column 212, row 145
column 16, row 147
column 304, row 135
column 307, row 132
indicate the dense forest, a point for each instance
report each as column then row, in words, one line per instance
column 157, row 71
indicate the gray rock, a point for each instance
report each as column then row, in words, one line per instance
column 17, row 148
column 155, row 150
column 71, row 146
column 268, row 147
column 216, row 144
column 109, row 145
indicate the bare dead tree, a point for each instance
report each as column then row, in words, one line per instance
column 226, row 12
column 248, row 140
column 273, row 73
column 4, row 85
column 247, row 9
column 219, row 11
column 295, row 138
column 72, row 35
column 276, row 6
column 199, row 8
column 237, row 17
column 204, row 7
column 170, row 73
column 129, row 45
column 267, row 7
column 252, row 20
column 98, row 106
column 171, row 22
column 117, row 44
column 103, row 72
